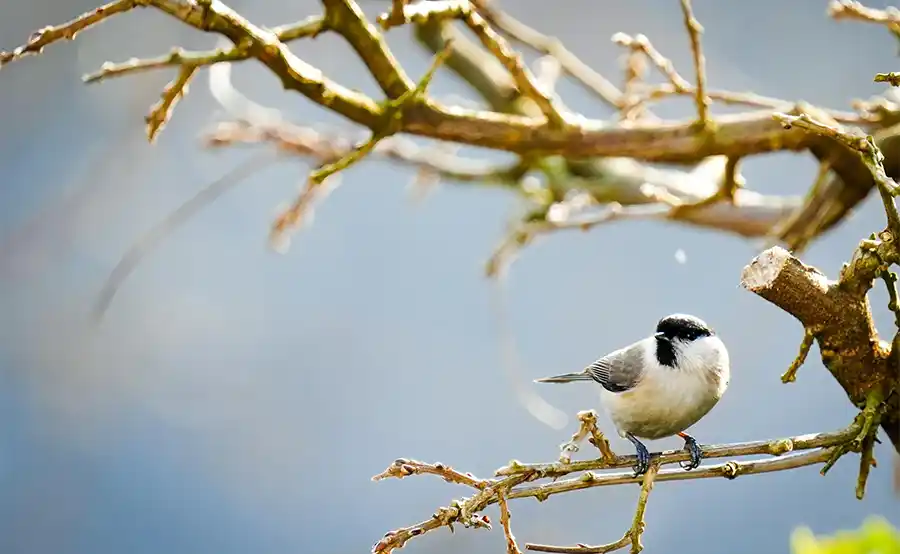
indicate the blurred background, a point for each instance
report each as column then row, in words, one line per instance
column 235, row 400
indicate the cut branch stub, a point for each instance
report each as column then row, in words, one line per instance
column 840, row 315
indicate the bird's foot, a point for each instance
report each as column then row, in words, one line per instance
column 643, row 457
column 690, row 444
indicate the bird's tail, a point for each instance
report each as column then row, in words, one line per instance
column 566, row 378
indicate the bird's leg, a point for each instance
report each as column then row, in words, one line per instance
column 643, row 455
column 690, row 444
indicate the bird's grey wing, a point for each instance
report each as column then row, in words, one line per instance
column 620, row 370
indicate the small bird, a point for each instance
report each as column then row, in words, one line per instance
column 660, row 386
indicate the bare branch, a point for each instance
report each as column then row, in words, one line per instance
column 838, row 314
column 511, row 546
column 510, row 59
column 747, row 134
column 785, row 454
column 588, row 427
column 67, row 31
column 161, row 112
column 314, row 192
column 632, row 536
column 809, row 336
column 870, row 154
column 694, row 31
column 892, row 78
column 850, row 9
column 590, row 79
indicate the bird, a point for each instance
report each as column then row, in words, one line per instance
column 661, row 385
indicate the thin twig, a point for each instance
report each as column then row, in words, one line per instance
column 511, row 546
column 67, row 31
column 587, row 427
column 849, row 9
column 173, row 92
column 632, row 536
column 404, row 468
column 809, row 336
column 394, row 17
column 632, row 106
column 726, row 191
column 520, row 73
column 870, row 154
column 694, row 31
column 583, row 74
column 892, row 78
column 167, row 226
column 786, row 454
column 314, row 191
column 890, row 282
column 663, row 64
column 678, row 85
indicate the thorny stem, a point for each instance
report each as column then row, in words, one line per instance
column 809, row 336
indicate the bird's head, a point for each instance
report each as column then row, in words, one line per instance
column 685, row 339
column 682, row 328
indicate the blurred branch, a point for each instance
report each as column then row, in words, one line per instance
column 511, row 482
column 587, row 77
column 850, row 9
column 534, row 136
column 694, row 31
column 744, row 134
column 171, row 223
column 67, row 31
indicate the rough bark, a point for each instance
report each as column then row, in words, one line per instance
column 838, row 315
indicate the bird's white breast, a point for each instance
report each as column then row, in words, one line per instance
column 668, row 400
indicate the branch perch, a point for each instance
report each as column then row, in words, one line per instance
column 783, row 454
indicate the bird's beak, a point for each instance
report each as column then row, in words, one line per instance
column 659, row 336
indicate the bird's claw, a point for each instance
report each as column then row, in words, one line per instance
column 643, row 460
column 690, row 444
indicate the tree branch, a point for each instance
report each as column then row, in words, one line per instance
column 786, row 453
column 837, row 313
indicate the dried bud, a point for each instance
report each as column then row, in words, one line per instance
column 407, row 470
